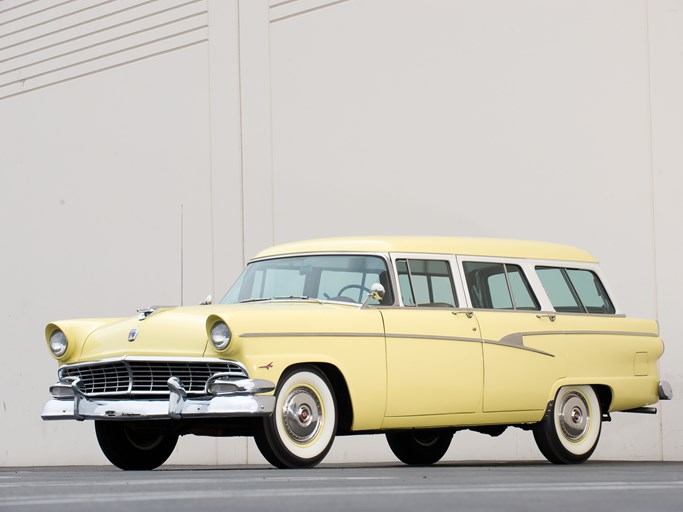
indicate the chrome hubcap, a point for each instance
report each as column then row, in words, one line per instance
column 302, row 415
column 574, row 416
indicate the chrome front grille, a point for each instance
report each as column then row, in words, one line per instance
column 147, row 377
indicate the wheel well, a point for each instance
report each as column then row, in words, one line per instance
column 604, row 396
column 341, row 392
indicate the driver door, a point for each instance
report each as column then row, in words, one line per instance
column 434, row 350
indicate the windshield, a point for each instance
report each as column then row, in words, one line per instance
column 323, row 277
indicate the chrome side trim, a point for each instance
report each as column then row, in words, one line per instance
column 433, row 337
column 517, row 343
column 615, row 333
column 516, row 340
column 312, row 335
column 355, row 335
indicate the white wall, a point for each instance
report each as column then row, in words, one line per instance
column 527, row 119
column 275, row 121
column 666, row 64
column 97, row 156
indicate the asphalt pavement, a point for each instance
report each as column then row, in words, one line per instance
column 470, row 486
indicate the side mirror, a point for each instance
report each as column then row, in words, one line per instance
column 208, row 301
column 376, row 292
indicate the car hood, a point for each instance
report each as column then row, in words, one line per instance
column 169, row 331
column 183, row 331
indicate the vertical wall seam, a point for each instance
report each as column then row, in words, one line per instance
column 239, row 71
column 653, row 217
column 272, row 159
column 212, row 215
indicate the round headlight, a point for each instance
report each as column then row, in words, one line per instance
column 58, row 343
column 220, row 335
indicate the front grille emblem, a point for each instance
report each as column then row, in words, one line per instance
column 132, row 334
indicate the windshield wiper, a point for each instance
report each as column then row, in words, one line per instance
column 286, row 297
column 279, row 297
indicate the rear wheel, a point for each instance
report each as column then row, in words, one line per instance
column 419, row 447
column 302, row 427
column 135, row 445
column 569, row 432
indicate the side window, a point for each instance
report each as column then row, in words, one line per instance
column 591, row 292
column 407, row 294
column 559, row 291
column 575, row 290
column 426, row 283
column 498, row 286
column 521, row 290
column 498, row 290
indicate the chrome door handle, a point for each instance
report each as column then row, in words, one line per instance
column 468, row 314
column 549, row 316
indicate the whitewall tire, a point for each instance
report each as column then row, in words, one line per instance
column 570, row 430
column 303, row 425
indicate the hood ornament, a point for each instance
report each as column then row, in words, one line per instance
column 132, row 334
column 145, row 312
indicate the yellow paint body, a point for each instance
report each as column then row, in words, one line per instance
column 407, row 367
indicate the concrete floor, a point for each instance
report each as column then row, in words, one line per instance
column 469, row 486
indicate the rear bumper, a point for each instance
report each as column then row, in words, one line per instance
column 234, row 401
column 665, row 391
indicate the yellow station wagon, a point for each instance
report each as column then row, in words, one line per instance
column 413, row 337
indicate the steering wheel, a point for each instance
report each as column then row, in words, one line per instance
column 350, row 286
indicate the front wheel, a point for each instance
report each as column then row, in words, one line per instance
column 569, row 432
column 135, row 445
column 419, row 447
column 302, row 427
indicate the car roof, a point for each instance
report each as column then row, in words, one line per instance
column 492, row 247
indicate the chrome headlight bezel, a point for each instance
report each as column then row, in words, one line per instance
column 58, row 343
column 220, row 335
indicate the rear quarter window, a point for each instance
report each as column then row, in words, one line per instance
column 575, row 290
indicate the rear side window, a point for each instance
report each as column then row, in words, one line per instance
column 426, row 283
column 498, row 286
column 575, row 290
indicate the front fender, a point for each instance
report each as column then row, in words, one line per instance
column 76, row 332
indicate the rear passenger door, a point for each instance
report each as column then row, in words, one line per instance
column 523, row 348
column 434, row 353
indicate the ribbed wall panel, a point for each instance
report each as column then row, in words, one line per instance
column 284, row 9
column 45, row 42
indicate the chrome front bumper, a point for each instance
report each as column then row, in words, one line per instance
column 234, row 398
